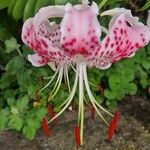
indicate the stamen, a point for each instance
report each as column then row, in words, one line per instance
column 53, row 77
column 91, row 95
column 77, row 136
column 92, row 112
column 111, row 130
column 101, row 90
column 69, row 99
column 81, row 103
column 45, row 127
column 57, row 84
column 51, row 112
column 67, row 78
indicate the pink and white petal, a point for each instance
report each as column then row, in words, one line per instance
column 46, row 13
column 122, row 41
column 80, row 29
column 116, row 12
column 27, row 34
column 37, row 60
column 37, row 42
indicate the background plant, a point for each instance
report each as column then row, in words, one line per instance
column 21, row 108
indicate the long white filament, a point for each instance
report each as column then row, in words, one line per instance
column 57, row 84
column 81, row 103
column 52, row 78
column 85, row 78
column 90, row 93
column 67, row 79
column 69, row 99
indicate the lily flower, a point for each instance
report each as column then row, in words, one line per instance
column 76, row 43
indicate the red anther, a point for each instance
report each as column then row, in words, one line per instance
column 92, row 112
column 77, row 136
column 45, row 127
column 111, row 130
column 116, row 119
column 51, row 112
column 101, row 90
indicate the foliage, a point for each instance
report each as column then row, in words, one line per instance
column 20, row 108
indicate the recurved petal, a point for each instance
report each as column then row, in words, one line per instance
column 46, row 13
column 41, row 43
column 122, row 41
column 37, row 60
column 116, row 12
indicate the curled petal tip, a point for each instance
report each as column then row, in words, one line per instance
column 115, row 11
column 36, row 60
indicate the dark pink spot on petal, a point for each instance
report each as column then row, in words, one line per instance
column 44, row 43
column 120, row 22
column 112, row 45
column 121, row 31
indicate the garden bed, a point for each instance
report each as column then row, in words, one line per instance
column 132, row 134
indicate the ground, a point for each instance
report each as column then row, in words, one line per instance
column 132, row 134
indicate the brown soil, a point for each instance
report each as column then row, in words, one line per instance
column 132, row 134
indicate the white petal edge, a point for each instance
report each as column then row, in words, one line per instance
column 48, row 12
column 34, row 59
column 116, row 12
column 148, row 20
column 106, row 67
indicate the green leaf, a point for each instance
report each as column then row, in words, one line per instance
column 11, row 45
column 22, row 103
column 18, row 9
column 110, row 94
column 29, row 132
column 30, row 129
column 144, row 82
column 146, row 6
column 42, row 3
column 15, row 122
column 9, row 93
column 4, row 118
column 29, row 9
column 6, row 80
column 23, row 79
column 4, row 3
column 103, row 2
column 146, row 63
column 41, row 112
column 14, row 110
column 114, row 82
column 15, row 65
column 132, row 89
column 10, row 102
column 63, row 2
